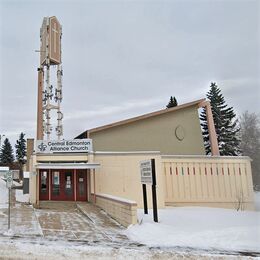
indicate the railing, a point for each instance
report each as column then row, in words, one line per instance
column 214, row 181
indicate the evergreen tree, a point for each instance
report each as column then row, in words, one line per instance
column 6, row 155
column 225, row 121
column 172, row 103
column 250, row 143
column 21, row 152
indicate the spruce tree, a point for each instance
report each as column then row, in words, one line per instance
column 172, row 103
column 6, row 155
column 225, row 121
column 250, row 143
column 21, row 152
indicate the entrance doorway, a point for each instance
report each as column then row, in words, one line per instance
column 81, row 185
column 63, row 185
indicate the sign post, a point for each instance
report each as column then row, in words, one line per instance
column 155, row 212
column 148, row 176
column 9, row 183
column 145, row 199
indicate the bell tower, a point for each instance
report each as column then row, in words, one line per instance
column 49, row 86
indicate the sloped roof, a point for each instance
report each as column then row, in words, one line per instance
column 145, row 116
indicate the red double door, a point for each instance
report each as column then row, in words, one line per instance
column 63, row 185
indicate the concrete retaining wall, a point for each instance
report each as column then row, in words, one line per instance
column 122, row 210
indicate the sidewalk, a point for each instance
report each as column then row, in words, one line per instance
column 23, row 221
column 105, row 224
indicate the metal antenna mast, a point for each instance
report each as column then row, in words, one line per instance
column 50, row 57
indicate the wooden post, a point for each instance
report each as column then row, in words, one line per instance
column 155, row 213
column 145, row 199
column 211, row 127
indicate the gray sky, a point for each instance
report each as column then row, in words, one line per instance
column 126, row 58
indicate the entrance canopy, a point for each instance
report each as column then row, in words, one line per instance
column 67, row 165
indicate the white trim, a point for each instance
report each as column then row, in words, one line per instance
column 207, row 157
column 67, row 165
column 125, row 153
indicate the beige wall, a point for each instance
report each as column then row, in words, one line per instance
column 33, row 180
column 208, row 181
column 119, row 176
column 156, row 133
column 62, row 157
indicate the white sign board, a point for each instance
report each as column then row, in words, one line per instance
column 9, row 179
column 64, row 146
column 4, row 169
column 146, row 172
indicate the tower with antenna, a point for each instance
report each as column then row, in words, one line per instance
column 49, row 86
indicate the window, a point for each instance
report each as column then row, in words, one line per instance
column 56, row 183
column 44, row 182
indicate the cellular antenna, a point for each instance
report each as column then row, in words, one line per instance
column 49, row 98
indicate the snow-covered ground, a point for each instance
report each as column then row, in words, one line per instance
column 209, row 229
column 203, row 228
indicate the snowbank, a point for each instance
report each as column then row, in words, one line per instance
column 20, row 197
column 257, row 201
column 202, row 228
column 3, row 194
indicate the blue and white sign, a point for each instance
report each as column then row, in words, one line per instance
column 64, row 146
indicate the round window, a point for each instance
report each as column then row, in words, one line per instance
column 179, row 132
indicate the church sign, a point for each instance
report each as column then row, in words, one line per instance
column 64, row 146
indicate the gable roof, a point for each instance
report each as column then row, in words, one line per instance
column 145, row 116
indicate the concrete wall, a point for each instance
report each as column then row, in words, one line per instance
column 119, row 175
column 156, row 133
column 33, row 180
column 123, row 211
column 224, row 182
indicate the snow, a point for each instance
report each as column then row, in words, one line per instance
column 199, row 228
column 20, row 197
column 119, row 199
column 202, row 228
column 3, row 194
column 25, row 248
column 257, row 201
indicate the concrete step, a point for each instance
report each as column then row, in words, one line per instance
column 58, row 205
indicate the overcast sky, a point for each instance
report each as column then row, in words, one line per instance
column 126, row 58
